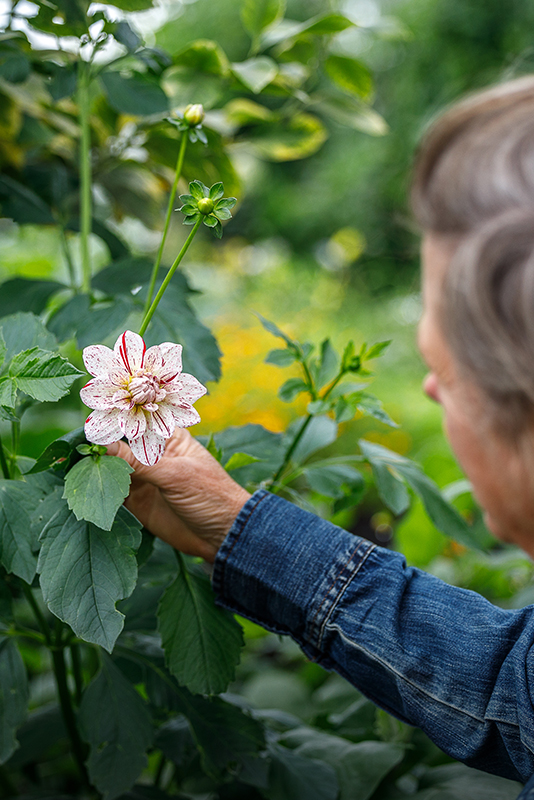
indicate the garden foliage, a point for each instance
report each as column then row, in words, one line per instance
column 141, row 656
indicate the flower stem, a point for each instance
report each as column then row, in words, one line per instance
column 77, row 671
column 60, row 672
column 41, row 622
column 68, row 259
column 290, row 451
column 3, row 462
column 177, row 174
column 168, row 277
column 85, row 172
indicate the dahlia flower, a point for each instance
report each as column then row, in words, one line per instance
column 138, row 393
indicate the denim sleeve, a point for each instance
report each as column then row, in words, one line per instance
column 435, row 656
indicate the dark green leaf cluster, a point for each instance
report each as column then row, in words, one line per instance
column 208, row 205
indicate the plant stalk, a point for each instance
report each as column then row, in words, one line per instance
column 68, row 259
column 290, row 452
column 60, row 672
column 77, row 671
column 85, row 172
column 41, row 622
column 149, row 314
column 3, row 462
column 177, row 174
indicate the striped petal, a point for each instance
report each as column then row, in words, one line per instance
column 130, row 349
column 153, row 359
column 162, row 421
column 132, row 422
column 99, row 393
column 185, row 415
column 172, row 361
column 99, row 360
column 148, row 448
column 102, row 427
column 185, row 389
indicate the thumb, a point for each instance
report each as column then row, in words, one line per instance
column 149, row 474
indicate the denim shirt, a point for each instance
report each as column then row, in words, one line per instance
column 436, row 656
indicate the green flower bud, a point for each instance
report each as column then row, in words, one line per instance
column 194, row 114
column 205, row 205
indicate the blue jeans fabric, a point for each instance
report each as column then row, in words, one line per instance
column 434, row 655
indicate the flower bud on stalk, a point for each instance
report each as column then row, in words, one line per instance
column 194, row 114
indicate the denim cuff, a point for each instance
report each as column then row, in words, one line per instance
column 286, row 569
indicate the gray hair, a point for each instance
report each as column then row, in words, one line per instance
column 474, row 182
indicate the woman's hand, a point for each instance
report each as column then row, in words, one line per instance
column 187, row 498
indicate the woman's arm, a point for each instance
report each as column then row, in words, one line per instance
column 439, row 657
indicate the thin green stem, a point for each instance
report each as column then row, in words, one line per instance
column 68, row 259
column 77, row 671
column 60, row 672
column 24, row 634
column 3, row 462
column 168, row 277
column 41, row 622
column 290, row 451
column 159, row 770
column 177, row 174
column 85, row 172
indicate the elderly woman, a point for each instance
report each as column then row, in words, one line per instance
column 433, row 655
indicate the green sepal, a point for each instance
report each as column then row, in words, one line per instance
column 188, row 199
column 191, row 220
column 198, row 190
column 226, row 202
column 210, row 221
column 216, row 191
column 189, row 209
column 222, row 213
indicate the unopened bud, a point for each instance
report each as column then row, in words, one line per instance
column 194, row 114
column 205, row 205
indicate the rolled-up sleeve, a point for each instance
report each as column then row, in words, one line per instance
column 434, row 655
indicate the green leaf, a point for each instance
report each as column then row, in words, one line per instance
column 350, row 75
column 254, row 440
column 240, row 460
column 14, row 696
column 329, row 480
column 321, row 25
column 95, row 489
column 256, row 73
column 3, row 349
column 202, row 642
column 60, row 453
column 138, row 94
column 299, row 136
column 359, row 767
column 257, row 15
column 20, row 294
column 85, row 571
column 291, row 388
column 388, row 482
column 372, row 406
column 321, row 432
column 321, row 407
column 457, row 782
column 212, row 449
column 43, row 375
column 118, row 735
column 282, row 358
column 376, row 350
column 328, row 364
column 8, row 392
column 295, row 777
column 203, row 55
column 88, row 322
column 19, row 501
column 23, row 331
column 275, row 330
column 22, row 204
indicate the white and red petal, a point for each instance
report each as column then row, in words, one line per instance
column 185, row 415
column 99, row 360
column 162, row 422
column 148, row 448
column 153, row 360
column 186, row 388
column 132, row 422
column 130, row 350
column 172, row 361
column 99, row 393
column 102, row 427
